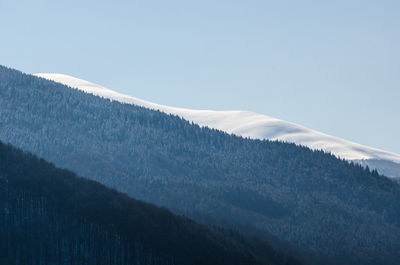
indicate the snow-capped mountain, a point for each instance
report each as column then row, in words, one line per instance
column 254, row 125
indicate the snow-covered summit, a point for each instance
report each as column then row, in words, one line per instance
column 249, row 124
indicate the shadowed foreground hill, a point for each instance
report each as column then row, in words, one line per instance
column 341, row 212
column 51, row 216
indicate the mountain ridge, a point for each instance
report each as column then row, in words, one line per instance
column 252, row 125
column 341, row 212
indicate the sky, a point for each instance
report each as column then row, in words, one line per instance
column 333, row 66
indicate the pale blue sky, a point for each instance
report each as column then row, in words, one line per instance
column 333, row 66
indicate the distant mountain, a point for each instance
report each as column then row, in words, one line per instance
column 339, row 212
column 51, row 216
column 256, row 126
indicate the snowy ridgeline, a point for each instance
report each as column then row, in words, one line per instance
column 256, row 126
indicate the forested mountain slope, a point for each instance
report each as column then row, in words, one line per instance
column 255, row 126
column 342, row 212
column 51, row 216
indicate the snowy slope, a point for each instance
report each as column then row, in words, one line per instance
column 253, row 125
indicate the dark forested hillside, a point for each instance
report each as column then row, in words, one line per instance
column 341, row 212
column 51, row 216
